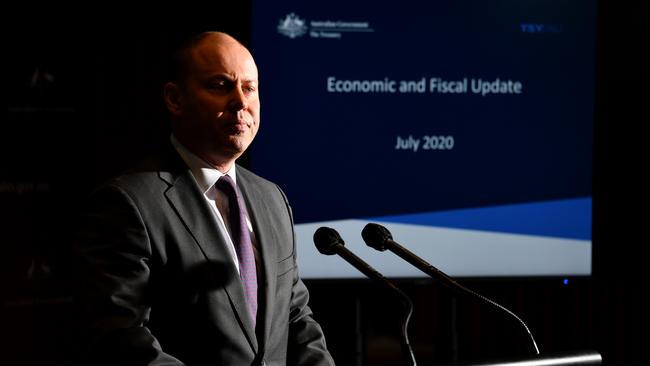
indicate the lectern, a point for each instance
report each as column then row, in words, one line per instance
column 582, row 358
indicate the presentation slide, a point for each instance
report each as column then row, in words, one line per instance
column 464, row 127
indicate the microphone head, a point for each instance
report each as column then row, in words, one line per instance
column 327, row 240
column 376, row 236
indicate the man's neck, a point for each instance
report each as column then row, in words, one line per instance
column 222, row 164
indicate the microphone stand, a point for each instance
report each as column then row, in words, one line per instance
column 329, row 242
column 407, row 352
column 436, row 273
column 385, row 241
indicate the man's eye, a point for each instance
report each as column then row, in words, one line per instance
column 218, row 86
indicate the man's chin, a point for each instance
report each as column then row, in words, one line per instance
column 235, row 145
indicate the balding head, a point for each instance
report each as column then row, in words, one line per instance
column 181, row 60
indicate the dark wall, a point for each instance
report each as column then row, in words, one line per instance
column 84, row 101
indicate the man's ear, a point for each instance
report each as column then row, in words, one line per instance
column 173, row 98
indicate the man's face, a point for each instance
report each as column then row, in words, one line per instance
column 218, row 101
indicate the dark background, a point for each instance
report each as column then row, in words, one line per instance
column 83, row 101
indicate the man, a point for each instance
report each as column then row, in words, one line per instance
column 166, row 279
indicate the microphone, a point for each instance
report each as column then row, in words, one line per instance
column 329, row 242
column 379, row 238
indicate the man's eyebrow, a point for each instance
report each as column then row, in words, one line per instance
column 221, row 76
column 228, row 77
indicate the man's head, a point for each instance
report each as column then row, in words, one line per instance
column 214, row 98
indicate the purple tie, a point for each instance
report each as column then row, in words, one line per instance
column 241, row 237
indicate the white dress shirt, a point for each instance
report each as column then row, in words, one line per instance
column 206, row 176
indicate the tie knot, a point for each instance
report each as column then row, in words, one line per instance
column 225, row 179
column 226, row 184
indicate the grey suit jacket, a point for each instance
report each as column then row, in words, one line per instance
column 157, row 282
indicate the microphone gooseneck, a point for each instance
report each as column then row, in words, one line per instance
column 378, row 237
column 329, row 242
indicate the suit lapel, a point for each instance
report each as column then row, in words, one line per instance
column 196, row 215
column 260, row 216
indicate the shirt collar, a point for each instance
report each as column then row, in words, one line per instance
column 204, row 174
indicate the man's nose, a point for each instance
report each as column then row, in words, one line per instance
column 238, row 101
